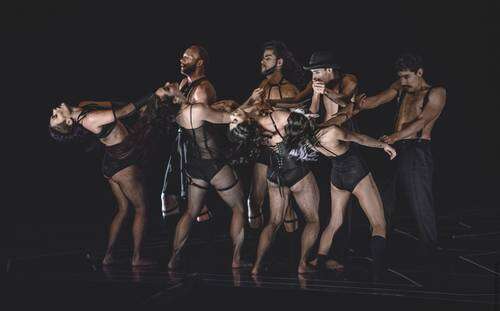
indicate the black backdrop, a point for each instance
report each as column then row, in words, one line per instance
column 58, row 51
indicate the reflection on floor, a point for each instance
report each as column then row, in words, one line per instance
column 464, row 277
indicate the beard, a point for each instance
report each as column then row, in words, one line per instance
column 268, row 71
column 188, row 69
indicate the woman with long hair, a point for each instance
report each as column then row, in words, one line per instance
column 120, row 164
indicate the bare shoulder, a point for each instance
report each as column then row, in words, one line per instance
column 437, row 95
column 288, row 89
column 350, row 78
column 205, row 92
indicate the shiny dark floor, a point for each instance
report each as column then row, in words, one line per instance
column 465, row 276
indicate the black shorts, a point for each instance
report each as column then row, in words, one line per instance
column 285, row 171
column 118, row 157
column 348, row 169
column 204, row 169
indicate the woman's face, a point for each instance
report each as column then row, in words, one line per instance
column 237, row 116
column 60, row 114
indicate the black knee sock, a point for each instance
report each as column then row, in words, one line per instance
column 378, row 245
column 321, row 262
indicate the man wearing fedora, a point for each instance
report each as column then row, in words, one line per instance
column 332, row 93
column 333, row 89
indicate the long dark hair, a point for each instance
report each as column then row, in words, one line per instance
column 292, row 70
column 301, row 136
column 247, row 139
column 65, row 133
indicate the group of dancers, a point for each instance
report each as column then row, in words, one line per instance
column 286, row 124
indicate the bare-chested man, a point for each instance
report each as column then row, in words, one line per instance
column 282, row 76
column 420, row 105
column 193, row 64
column 333, row 89
column 206, row 163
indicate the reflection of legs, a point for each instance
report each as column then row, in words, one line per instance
column 278, row 198
column 117, row 223
column 234, row 198
column 257, row 195
column 369, row 199
column 306, row 193
column 130, row 181
column 195, row 201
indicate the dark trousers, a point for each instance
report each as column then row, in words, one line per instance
column 412, row 186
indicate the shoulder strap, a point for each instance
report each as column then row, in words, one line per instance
column 424, row 103
column 274, row 124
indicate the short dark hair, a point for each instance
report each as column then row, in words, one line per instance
column 203, row 54
column 409, row 61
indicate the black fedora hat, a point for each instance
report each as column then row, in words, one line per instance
column 322, row 59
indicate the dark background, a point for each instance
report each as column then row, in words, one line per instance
column 59, row 51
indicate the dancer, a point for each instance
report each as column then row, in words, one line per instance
column 285, row 176
column 120, row 164
column 282, row 75
column 206, row 166
column 195, row 87
column 420, row 105
column 349, row 175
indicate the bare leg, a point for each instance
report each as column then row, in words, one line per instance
column 194, row 204
column 291, row 223
column 130, row 181
column 117, row 223
column 257, row 195
column 367, row 193
column 234, row 199
column 306, row 194
column 277, row 204
column 339, row 200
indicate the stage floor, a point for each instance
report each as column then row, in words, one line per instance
column 465, row 277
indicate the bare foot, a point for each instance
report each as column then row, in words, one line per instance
column 334, row 265
column 255, row 270
column 141, row 262
column 241, row 264
column 108, row 260
column 305, row 268
column 314, row 262
column 330, row 264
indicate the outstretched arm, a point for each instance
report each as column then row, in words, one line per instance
column 211, row 115
column 345, row 135
column 364, row 102
column 98, row 118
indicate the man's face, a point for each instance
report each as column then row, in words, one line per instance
column 188, row 61
column 324, row 75
column 269, row 60
column 410, row 81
